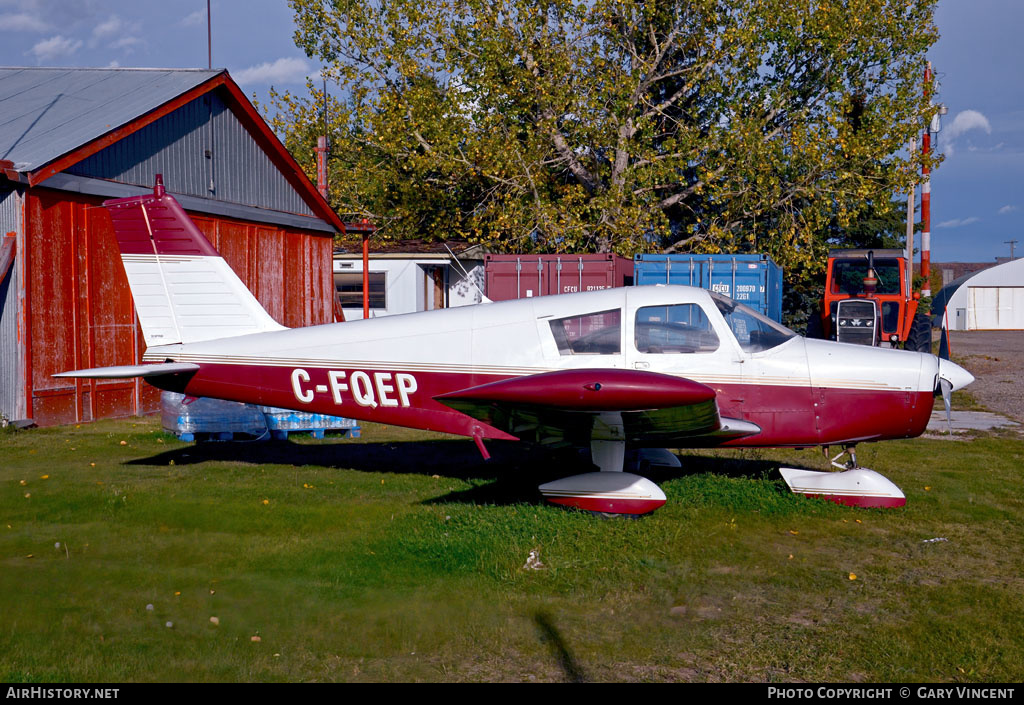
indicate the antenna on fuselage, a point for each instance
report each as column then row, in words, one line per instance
column 465, row 275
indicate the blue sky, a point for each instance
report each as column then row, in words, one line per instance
column 977, row 193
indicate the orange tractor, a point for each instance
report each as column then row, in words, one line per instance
column 869, row 301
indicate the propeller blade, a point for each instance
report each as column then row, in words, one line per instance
column 947, row 397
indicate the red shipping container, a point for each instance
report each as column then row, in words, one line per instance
column 523, row 276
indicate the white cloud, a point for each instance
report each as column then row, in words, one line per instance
column 194, row 19
column 286, row 70
column 115, row 33
column 53, row 47
column 964, row 121
column 127, row 43
column 22, row 22
column 959, row 222
column 1007, row 209
column 108, row 28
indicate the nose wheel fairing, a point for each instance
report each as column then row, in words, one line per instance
column 857, row 487
column 853, row 487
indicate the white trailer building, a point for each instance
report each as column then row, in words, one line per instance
column 406, row 282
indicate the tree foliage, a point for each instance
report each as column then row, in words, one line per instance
column 617, row 125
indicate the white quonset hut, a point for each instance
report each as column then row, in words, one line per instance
column 992, row 299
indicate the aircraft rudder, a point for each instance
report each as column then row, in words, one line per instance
column 156, row 224
column 184, row 291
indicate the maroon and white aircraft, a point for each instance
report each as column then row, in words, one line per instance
column 646, row 367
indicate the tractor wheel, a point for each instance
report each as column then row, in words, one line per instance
column 920, row 337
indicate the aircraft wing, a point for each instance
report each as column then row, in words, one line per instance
column 648, row 409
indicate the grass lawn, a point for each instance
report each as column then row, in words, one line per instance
column 400, row 556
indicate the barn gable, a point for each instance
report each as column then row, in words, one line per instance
column 203, row 150
column 72, row 138
column 108, row 132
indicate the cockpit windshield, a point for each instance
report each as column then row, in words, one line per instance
column 753, row 331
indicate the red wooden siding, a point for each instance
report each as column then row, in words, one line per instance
column 80, row 308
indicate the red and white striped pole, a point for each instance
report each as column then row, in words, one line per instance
column 909, row 288
column 926, row 193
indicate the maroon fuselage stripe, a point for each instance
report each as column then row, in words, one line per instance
column 787, row 415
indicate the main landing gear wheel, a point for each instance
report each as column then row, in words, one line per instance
column 605, row 493
column 854, row 486
column 920, row 337
column 608, row 492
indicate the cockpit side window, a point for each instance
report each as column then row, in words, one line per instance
column 676, row 328
column 753, row 331
column 589, row 334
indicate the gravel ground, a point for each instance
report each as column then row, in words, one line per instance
column 996, row 359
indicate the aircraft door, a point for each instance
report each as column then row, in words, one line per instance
column 682, row 339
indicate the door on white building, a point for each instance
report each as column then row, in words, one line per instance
column 995, row 307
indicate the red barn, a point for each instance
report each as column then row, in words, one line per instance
column 72, row 138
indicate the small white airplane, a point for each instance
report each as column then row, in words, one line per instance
column 647, row 367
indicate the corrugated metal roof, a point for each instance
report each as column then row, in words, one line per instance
column 203, row 150
column 48, row 112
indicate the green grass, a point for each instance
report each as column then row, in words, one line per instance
column 400, row 556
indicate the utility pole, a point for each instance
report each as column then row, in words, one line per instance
column 209, row 38
column 1011, row 243
column 322, row 149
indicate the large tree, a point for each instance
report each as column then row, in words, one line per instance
column 617, row 125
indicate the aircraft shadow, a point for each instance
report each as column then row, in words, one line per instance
column 450, row 458
column 510, row 477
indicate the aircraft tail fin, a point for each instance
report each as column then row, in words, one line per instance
column 184, row 291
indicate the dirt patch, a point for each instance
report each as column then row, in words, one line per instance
column 996, row 359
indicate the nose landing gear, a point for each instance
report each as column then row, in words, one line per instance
column 854, row 486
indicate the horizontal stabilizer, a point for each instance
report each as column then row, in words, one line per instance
column 126, row 371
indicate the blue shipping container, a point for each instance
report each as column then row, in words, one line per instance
column 753, row 280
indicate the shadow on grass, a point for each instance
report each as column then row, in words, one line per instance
column 511, row 476
column 450, row 458
column 566, row 661
column 721, row 465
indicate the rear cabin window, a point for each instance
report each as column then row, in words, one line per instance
column 678, row 328
column 589, row 334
